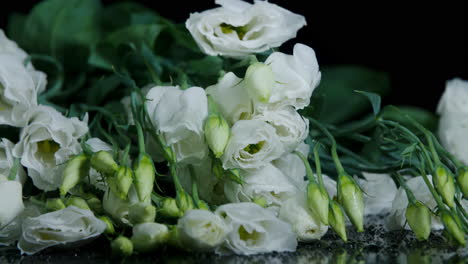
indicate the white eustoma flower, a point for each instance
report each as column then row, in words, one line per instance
column 232, row 98
column 453, row 122
column 69, row 226
column 254, row 230
column 46, row 143
column 421, row 192
column 119, row 208
column 296, row 212
column 11, row 200
column 10, row 233
column 149, row 236
column 296, row 78
column 201, row 230
column 19, row 84
column 290, row 126
column 179, row 116
column 268, row 183
column 7, row 161
column 379, row 191
column 253, row 145
column 292, row 166
column 238, row 28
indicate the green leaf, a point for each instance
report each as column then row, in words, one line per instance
column 65, row 30
column 374, row 99
column 424, row 117
column 123, row 14
column 136, row 34
column 338, row 84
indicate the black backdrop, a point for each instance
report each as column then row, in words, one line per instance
column 420, row 44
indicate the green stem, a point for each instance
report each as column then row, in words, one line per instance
column 195, row 196
column 141, row 138
column 336, row 159
column 439, row 202
column 318, row 167
column 309, row 172
column 409, row 193
column 175, row 177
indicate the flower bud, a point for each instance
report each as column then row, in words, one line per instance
column 350, row 197
column 149, row 236
column 121, row 182
column 142, row 213
column 170, row 209
column 259, row 81
column 55, row 204
column 462, row 180
column 110, row 230
column 419, row 219
column 122, row 247
column 144, row 176
column 453, row 226
column 202, row 205
column 103, row 162
column 76, row 169
column 184, row 201
column 95, row 204
column 317, row 201
column 443, row 182
column 260, row 200
column 217, row 134
column 336, row 220
column 78, row 202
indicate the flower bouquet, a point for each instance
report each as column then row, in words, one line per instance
column 206, row 137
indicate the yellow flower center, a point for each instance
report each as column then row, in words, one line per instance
column 254, row 148
column 228, row 29
column 246, row 236
column 47, row 148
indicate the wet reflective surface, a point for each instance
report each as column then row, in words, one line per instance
column 375, row 245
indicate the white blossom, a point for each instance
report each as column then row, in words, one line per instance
column 254, row 230
column 379, row 191
column 46, row 143
column 11, row 200
column 70, row 226
column 238, row 28
column 7, row 161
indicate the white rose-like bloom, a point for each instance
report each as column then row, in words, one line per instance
column 179, row 116
column 254, row 230
column 268, row 183
column 421, row 192
column 149, row 236
column 238, row 28
column 253, row 144
column 290, row 126
column 19, row 84
column 46, row 143
column 66, row 226
column 292, row 166
column 7, row 161
column 296, row 212
column 232, row 98
column 453, row 122
column 11, row 200
column 379, row 191
column 10, row 233
column 296, row 78
column 201, row 230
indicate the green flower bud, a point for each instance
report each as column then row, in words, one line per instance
column 184, row 201
column 453, row 226
column 144, row 176
column 462, row 180
column 78, row 202
column 103, row 162
column 444, row 184
column 259, row 81
column 336, row 220
column 122, row 247
column 110, row 230
column 260, row 201
column 149, row 236
column 317, row 201
column 350, row 196
column 419, row 219
column 121, row 182
column 217, row 134
column 55, row 204
column 202, row 205
column 95, row 204
column 142, row 213
column 170, row 209
column 76, row 169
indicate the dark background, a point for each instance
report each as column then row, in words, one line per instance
column 421, row 44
